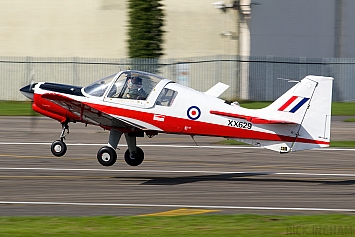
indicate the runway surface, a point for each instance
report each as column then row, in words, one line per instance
column 176, row 177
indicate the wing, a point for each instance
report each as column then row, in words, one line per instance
column 251, row 119
column 90, row 115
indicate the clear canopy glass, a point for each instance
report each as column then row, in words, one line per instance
column 127, row 85
column 99, row 87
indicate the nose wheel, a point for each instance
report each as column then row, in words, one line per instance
column 58, row 148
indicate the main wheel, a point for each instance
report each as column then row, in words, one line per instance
column 58, row 148
column 106, row 156
column 134, row 159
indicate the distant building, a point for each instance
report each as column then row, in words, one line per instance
column 97, row 28
column 303, row 28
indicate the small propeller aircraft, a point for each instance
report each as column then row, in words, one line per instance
column 135, row 103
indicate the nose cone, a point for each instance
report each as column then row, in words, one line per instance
column 28, row 91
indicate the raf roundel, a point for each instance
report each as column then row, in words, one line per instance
column 193, row 112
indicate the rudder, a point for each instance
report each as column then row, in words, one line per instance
column 315, row 127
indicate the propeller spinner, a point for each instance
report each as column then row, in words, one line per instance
column 28, row 90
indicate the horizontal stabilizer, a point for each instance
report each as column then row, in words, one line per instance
column 217, row 89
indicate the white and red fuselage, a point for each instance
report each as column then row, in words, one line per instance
column 298, row 120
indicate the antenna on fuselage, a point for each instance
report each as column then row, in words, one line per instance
column 288, row 80
column 193, row 138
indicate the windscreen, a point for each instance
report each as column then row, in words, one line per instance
column 99, row 87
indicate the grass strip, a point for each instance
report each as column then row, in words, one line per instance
column 350, row 120
column 343, row 108
column 198, row 225
column 343, row 144
column 16, row 108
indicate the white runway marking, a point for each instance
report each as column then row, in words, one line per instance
column 172, row 146
column 180, row 171
column 141, row 145
column 177, row 206
column 138, row 205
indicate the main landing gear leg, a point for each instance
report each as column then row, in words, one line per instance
column 107, row 155
column 134, row 155
column 58, row 147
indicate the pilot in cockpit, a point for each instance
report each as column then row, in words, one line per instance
column 135, row 90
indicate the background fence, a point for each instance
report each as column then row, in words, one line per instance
column 250, row 78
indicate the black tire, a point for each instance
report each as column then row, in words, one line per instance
column 135, row 160
column 106, row 156
column 58, row 148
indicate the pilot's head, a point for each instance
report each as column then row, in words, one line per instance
column 135, row 82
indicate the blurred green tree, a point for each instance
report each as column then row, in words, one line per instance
column 145, row 33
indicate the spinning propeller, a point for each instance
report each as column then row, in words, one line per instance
column 28, row 91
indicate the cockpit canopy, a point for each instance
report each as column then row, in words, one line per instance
column 126, row 85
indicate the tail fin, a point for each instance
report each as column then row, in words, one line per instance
column 307, row 104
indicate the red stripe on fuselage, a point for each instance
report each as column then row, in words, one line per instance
column 195, row 127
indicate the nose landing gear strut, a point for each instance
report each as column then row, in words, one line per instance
column 58, row 147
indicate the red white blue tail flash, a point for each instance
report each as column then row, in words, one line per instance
column 293, row 104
